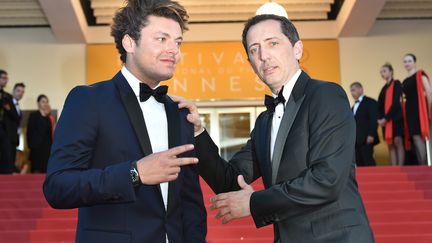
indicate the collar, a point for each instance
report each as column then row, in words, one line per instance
column 360, row 98
column 15, row 101
column 133, row 81
column 289, row 86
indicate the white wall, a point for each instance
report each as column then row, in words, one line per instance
column 32, row 56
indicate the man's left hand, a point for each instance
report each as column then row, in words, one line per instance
column 233, row 205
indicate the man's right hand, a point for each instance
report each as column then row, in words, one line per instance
column 193, row 116
column 163, row 166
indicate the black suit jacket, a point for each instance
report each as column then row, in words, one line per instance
column 366, row 118
column 310, row 191
column 39, row 131
column 101, row 131
column 11, row 119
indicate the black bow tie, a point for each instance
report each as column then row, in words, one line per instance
column 159, row 93
column 271, row 102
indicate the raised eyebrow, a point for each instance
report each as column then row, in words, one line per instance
column 271, row 38
column 266, row 39
column 180, row 38
column 251, row 45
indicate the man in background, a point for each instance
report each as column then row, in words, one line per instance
column 7, row 117
column 365, row 112
column 14, row 130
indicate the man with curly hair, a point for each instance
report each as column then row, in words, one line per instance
column 122, row 149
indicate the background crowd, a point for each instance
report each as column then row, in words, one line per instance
column 402, row 112
column 39, row 131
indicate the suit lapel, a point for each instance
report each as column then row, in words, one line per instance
column 263, row 136
column 136, row 117
column 291, row 110
column 134, row 112
column 174, row 139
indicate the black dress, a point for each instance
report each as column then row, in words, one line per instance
column 409, row 87
column 39, row 139
column 395, row 112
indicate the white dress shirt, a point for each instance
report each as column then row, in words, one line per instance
column 357, row 104
column 155, row 120
column 280, row 108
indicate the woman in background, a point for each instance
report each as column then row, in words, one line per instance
column 39, row 135
column 418, row 97
column 390, row 115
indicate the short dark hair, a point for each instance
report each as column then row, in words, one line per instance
column 358, row 84
column 389, row 67
column 130, row 19
column 287, row 27
column 2, row 72
column 41, row 96
column 413, row 56
column 22, row 85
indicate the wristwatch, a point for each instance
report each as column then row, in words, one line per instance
column 134, row 174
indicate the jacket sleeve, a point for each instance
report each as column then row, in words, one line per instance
column 70, row 181
column 219, row 174
column 329, row 161
column 195, row 215
column 11, row 113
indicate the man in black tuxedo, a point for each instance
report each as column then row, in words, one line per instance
column 8, row 117
column 365, row 112
column 122, row 150
column 302, row 147
column 14, row 120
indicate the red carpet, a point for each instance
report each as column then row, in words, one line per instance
column 398, row 201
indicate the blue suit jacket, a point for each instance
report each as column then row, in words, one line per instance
column 100, row 132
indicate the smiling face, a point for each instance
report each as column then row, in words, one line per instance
column 271, row 54
column 154, row 56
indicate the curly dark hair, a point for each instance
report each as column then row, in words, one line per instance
column 130, row 19
column 287, row 27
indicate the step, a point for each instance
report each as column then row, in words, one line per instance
column 395, row 186
column 19, row 185
column 396, row 195
column 36, row 213
column 396, row 228
column 242, row 240
column 25, row 177
column 393, row 169
column 398, row 205
column 398, row 177
column 23, row 203
column 404, row 238
column 21, row 194
column 234, row 231
column 38, row 224
column 400, row 216
column 52, row 235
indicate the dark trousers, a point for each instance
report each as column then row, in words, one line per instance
column 6, row 161
column 364, row 155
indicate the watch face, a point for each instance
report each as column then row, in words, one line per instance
column 134, row 175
